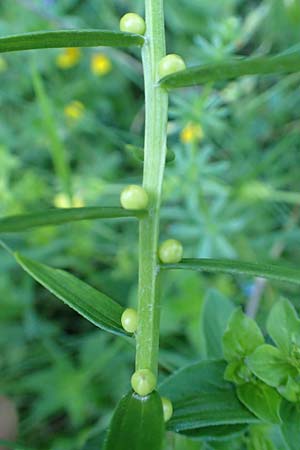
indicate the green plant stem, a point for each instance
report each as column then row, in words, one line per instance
column 156, row 107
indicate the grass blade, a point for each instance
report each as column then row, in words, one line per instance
column 14, row 224
column 92, row 304
column 68, row 38
column 233, row 68
column 272, row 271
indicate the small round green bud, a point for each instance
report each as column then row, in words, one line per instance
column 134, row 197
column 167, row 408
column 170, row 251
column 143, row 382
column 170, row 64
column 132, row 23
column 129, row 320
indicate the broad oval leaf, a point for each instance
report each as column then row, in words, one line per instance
column 92, row 304
column 13, row 224
column 270, row 365
column 232, row 68
column 137, row 424
column 68, row 38
column 283, row 325
column 202, row 398
column 262, row 400
column 242, row 336
column 272, row 271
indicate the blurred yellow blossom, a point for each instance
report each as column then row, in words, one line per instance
column 77, row 201
column 100, row 64
column 192, row 132
column 68, row 58
column 61, row 200
column 74, row 110
column 3, row 64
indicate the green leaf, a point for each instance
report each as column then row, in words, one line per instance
column 262, row 400
column 270, row 365
column 13, row 224
column 68, row 38
column 202, row 398
column 137, row 424
column 13, row 445
column 232, row 68
column 259, row 438
column 283, row 326
column 291, row 390
column 179, row 442
column 290, row 428
column 95, row 306
column 275, row 272
column 237, row 372
column 241, row 337
column 218, row 433
column 216, row 312
column 138, row 153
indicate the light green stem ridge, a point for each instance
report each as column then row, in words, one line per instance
column 156, row 107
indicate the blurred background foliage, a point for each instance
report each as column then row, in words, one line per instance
column 233, row 191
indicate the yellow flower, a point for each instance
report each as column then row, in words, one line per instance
column 100, row 64
column 68, row 58
column 192, row 132
column 74, row 110
column 62, row 201
column 3, row 64
column 77, row 201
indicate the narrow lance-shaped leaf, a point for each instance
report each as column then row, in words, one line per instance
column 272, row 271
column 68, row 38
column 137, row 424
column 215, row 433
column 13, row 224
column 92, row 304
column 233, row 68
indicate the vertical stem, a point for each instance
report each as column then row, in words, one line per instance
column 156, row 107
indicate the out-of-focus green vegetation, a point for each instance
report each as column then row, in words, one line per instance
column 232, row 191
